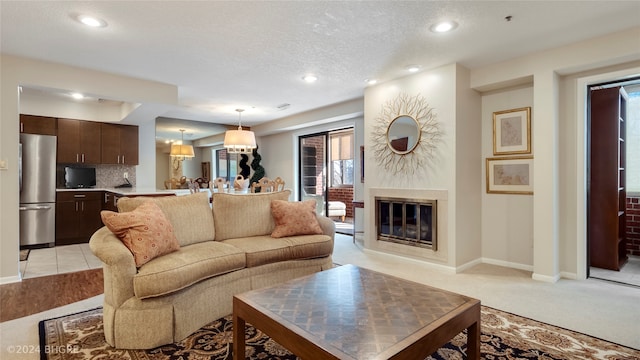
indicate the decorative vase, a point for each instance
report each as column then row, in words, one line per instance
column 240, row 183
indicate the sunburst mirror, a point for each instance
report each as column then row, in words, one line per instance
column 405, row 134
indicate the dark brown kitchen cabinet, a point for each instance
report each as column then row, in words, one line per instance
column 41, row 125
column 607, row 187
column 110, row 201
column 119, row 144
column 77, row 216
column 78, row 142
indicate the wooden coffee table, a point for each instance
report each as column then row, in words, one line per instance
column 353, row 313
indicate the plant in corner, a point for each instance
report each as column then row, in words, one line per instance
column 258, row 170
column 245, row 169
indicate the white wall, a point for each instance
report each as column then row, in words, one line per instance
column 20, row 71
column 84, row 109
column 468, row 170
column 558, row 169
column 557, row 244
column 446, row 89
column 507, row 220
column 573, row 159
column 278, row 140
column 280, row 151
column 192, row 168
column 163, row 168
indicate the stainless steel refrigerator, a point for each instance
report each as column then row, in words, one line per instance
column 37, row 173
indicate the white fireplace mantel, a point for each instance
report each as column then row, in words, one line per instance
column 441, row 255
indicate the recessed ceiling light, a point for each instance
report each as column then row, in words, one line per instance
column 371, row 81
column 77, row 96
column 413, row 68
column 444, row 26
column 91, row 21
column 310, row 78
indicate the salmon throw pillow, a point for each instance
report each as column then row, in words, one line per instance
column 145, row 231
column 294, row 218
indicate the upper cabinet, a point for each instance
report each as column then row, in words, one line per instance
column 86, row 142
column 41, row 125
column 78, row 142
column 119, row 144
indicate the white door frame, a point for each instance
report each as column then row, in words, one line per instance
column 582, row 85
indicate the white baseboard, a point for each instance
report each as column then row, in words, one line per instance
column 508, row 264
column 10, row 279
column 546, row 278
column 468, row 265
column 568, row 275
column 472, row 263
column 445, row 268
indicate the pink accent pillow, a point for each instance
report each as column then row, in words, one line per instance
column 294, row 218
column 145, row 231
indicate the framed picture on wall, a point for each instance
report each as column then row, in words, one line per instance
column 512, row 131
column 510, row 175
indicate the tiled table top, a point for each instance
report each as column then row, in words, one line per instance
column 360, row 313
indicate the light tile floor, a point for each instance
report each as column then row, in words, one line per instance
column 58, row 260
column 629, row 274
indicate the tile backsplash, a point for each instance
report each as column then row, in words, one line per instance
column 107, row 176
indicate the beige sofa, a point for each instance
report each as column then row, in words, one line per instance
column 223, row 251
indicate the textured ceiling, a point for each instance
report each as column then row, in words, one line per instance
column 252, row 54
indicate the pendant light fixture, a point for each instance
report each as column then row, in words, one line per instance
column 239, row 141
column 181, row 151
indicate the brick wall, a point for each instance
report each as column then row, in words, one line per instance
column 344, row 194
column 318, row 143
column 633, row 225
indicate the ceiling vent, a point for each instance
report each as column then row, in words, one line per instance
column 284, row 106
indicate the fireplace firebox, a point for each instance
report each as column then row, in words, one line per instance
column 407, row 221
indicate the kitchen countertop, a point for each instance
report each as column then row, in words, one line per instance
column 126, row 191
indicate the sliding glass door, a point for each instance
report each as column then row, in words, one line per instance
column 313, row 172
column 226, row 165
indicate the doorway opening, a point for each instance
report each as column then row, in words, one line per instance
column 326, row 174
column 613, row 187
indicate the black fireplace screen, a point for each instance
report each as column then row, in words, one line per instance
column 410, row 222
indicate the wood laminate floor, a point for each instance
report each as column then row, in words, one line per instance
column 34, row 295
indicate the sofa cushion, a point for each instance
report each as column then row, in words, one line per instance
column 244, row 215
column 146, row 232
column 309, row 246
column 186, row 266
column 294, row 218
column 260, row 250
column 190, row 215
column 264, row 249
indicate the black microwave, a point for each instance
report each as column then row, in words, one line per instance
column 77, row 178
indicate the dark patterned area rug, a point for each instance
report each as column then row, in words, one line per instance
column 504, row 336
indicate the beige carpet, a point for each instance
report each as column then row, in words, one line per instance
column 504, row 336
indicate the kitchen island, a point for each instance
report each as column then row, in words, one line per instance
column 78, row 210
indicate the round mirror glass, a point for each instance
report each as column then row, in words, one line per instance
column 403, row 134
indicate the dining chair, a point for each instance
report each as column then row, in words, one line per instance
column 218, row 183
column 278, row 184
column 265, row 185
column 194, row 187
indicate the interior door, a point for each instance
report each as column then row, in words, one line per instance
column 313, row 172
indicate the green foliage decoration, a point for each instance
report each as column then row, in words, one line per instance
column 258, row 170
column 245, row 170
